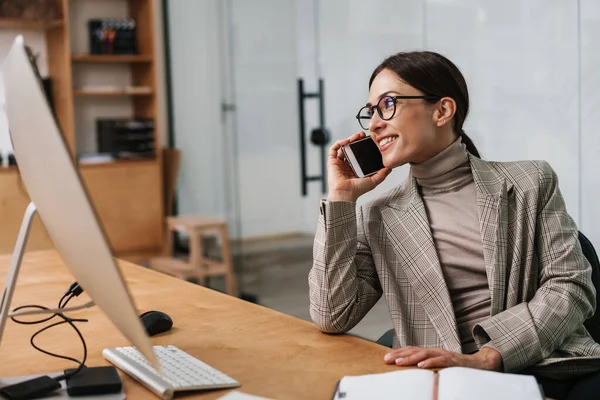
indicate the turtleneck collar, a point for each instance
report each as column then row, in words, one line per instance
column 447, row 171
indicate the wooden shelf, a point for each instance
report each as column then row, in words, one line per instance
column 116, row 163
column 20, row 23
column 109, row 93
column 127, row 194
column 109, row 58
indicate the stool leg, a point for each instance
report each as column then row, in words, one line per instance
column 230, row 280
column 196, row 256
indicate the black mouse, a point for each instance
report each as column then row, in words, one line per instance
column 156, row 322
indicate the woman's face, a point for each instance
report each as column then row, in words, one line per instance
column 412, row 135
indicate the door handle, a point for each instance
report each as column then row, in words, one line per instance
column 319, row 136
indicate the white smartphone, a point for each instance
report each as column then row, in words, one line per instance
column 363, row 156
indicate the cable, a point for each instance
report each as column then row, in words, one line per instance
column 73, row 291
column 54, row 311
column 68, row 296
column 81, row 363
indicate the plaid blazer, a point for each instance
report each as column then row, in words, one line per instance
column 540, row 282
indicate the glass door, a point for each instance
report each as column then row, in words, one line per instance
column 274, row 231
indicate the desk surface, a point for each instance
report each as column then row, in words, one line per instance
column 269, row 353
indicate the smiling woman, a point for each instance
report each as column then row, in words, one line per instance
column 439, row 82
column 479, row 261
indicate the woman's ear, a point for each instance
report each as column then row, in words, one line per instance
column 444, row 111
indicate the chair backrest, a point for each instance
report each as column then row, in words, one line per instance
column 593, row 323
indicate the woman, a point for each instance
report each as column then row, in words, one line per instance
column 479, row 261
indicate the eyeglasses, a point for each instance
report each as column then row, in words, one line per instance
column 386, row 108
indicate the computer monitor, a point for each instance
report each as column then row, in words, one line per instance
column 55, row 187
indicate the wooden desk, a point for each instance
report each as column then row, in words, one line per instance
column 269, row 353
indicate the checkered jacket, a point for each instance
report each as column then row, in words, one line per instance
column 540, row 282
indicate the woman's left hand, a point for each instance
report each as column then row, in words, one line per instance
column 486, row 358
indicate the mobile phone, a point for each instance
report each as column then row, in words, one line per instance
column 363, row 156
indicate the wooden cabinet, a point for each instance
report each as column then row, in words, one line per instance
column 128, row 199
column 127, row 195
column 13, row 202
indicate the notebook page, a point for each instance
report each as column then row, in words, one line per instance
column 459, row 383
column 413, row 384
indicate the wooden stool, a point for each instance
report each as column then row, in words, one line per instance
column 197, row 266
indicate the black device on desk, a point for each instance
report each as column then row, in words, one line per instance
column 94, row 381
column 156, row 322
column 126, row 138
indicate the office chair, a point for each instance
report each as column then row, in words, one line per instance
column 592, row 324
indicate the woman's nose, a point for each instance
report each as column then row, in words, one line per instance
column 376, row 123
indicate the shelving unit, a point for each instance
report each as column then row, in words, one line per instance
column 115, row 163
column 127, row 194
column 14, row 23
column 93, row 58
column 111, row 93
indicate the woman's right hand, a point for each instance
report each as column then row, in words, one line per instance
column 343, row 184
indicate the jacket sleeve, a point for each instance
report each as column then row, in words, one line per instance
column 343, row 281
column 529, row 332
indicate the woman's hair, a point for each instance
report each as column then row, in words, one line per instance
column 434, row 75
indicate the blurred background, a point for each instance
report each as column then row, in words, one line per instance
column 216, row 109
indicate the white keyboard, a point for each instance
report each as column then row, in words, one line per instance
column 181, row 371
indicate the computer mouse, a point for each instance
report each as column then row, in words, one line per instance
column 156, row 322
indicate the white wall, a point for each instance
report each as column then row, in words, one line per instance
column 265, row 70
column 309, row 68
column 520, row 60
column 354, row 40
column 245, row 53
column 196, row 73
column 531, row 67
column 590, row 120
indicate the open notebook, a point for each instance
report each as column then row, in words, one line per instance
column 452, row 384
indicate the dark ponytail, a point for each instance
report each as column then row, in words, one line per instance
column 434, row 75
column 469, row 144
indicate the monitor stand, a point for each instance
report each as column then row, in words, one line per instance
column 13, row 273
column 7, row 293
column 15, row 264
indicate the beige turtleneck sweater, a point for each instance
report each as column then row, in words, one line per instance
column 448, row 192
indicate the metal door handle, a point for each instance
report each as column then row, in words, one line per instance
column 319, row 136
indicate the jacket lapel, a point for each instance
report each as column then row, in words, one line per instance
column 492, row 207
column 407, row 226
